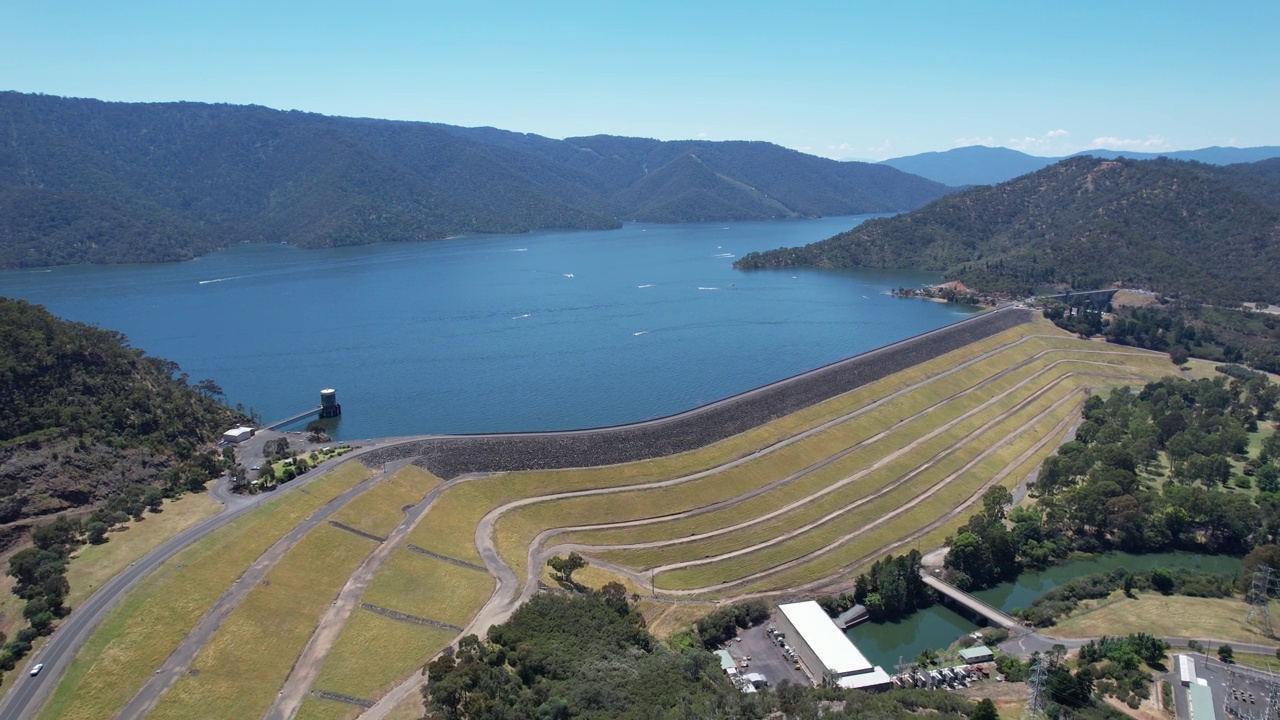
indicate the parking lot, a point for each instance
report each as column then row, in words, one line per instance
column 766, row 657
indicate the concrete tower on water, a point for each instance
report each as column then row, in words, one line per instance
column 329, row 406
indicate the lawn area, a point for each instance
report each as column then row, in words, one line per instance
column 93, row 565
column 1270, row 663
column 381, row 508
column 419, row 585
column 375, row 652
column 248, row 658
column 1167, row 616
column 144, row 629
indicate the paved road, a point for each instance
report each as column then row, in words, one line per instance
column 30, row 693
column 179, row 662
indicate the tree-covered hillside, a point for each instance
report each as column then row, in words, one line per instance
column 84, row 416
column 90, row 181
column 589, row 656
column 1175, row 227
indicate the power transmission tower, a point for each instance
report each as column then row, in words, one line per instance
column 1036, row 682
column 1259, row 594
column 903, row 666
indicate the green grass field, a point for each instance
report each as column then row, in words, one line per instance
column 423, row 586
column 247, row 659
column 381, row 509
column 144, row 629
column 375, row 652
column 1161, row 615
column 93, row 565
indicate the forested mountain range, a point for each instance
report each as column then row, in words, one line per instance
column 85, row 417
column 1203, row 232
column 982, row 165
column 91, row 181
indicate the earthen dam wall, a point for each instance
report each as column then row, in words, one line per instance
column 451, row 456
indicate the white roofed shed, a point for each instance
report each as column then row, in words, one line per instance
column 822, row 646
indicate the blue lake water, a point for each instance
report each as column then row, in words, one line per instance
column 549, row 330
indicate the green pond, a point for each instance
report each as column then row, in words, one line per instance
column 939, row 626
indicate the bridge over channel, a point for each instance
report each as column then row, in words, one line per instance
column 972, row 604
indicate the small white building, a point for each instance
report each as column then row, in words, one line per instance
column 238, row 434
column 822, row 647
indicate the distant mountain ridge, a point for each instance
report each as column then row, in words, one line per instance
column 92, row 181
column 1208, row 233
column 984, row 165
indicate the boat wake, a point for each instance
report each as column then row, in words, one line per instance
column 519, row 317
column 723, row 255
column 638, row 334
column 641, row 287
column 519, row 249
column 568, row 275
column 708, row 288
column 235, row 277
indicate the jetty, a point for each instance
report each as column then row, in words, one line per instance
column 293, row 418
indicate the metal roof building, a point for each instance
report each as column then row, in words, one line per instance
column 822, row 647
column 977, row 654
column 727, row 663
column 1200, row 698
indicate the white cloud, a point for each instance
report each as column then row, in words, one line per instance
column 1152, row 142
column 702, row 134
column 967, row 141
column 1057, row 133
column 1026, row 144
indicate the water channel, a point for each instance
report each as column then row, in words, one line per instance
column 939, row 626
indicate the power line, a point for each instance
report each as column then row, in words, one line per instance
column 1259, row 595
column 1036, row 682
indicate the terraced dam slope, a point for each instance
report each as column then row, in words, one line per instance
column 783, row 492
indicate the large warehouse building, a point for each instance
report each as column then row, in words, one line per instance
column 822, row 647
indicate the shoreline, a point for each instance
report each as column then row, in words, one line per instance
column 450, row 456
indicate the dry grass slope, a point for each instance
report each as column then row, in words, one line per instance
column 247, row 659
column 375, row 651
column 152, row 620
column 379, row 510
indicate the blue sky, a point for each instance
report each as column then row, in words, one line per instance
column 843, row 79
